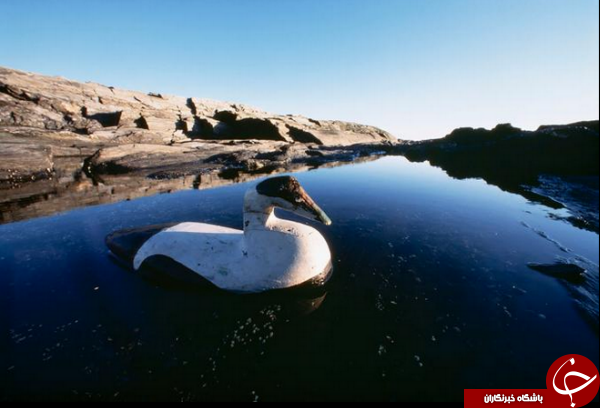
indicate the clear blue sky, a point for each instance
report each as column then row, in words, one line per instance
column 417, row 68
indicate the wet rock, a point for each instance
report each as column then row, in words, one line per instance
column 85, row 172
column 569, row 272
column 132, row 157
column 24, row 162
column 580, row 277
column 578, row 194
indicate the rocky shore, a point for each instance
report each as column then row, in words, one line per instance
column 66, row 144
column 555, row 165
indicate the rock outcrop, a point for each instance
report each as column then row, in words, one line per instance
column 557, row 165
column 65, row 144
column 105, row 113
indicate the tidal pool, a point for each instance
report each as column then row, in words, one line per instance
column 431, row 294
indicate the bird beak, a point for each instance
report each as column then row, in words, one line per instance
column 323, row 217
column 307, row 204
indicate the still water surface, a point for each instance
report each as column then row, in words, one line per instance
column 431, row 294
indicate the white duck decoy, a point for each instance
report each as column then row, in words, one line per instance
column 270, row 253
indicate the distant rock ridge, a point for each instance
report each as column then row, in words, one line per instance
column 557, row 165
column 506, row 152
column 122, row 116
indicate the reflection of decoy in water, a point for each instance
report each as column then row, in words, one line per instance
column 270, row 253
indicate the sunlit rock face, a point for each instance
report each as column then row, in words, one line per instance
column 111, row 114
column 65, row 144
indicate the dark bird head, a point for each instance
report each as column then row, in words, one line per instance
column 286, row 192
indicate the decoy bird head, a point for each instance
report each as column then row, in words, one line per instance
column 285, row 192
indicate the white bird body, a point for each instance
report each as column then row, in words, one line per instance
column 270, row 253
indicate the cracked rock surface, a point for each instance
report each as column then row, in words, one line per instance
column 65, row 144
column 105, row 113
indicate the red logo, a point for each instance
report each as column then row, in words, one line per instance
column 574, row 381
